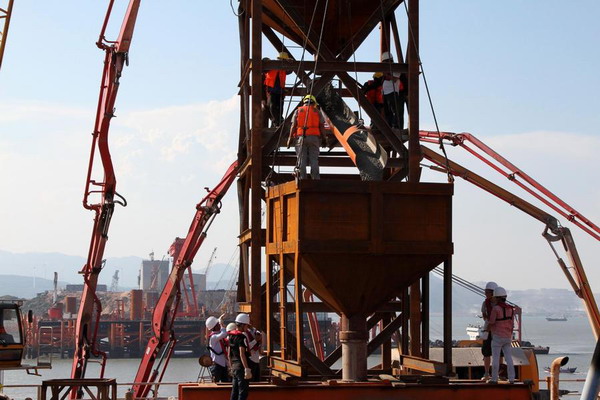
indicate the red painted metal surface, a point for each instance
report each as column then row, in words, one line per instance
column 553, row 231
column 513, row 173
column 161, row 344
column 363, row 390
column 90, row 308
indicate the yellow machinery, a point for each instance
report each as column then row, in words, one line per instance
column 12, row 340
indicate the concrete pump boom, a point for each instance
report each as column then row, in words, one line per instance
column 90, row 308
column 553, row 231
column 162, row 343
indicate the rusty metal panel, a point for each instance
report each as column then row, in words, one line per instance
column 360, row 243
column 333, row 390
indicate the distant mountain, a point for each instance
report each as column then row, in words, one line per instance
column 43, row 265
column 224, row 276
column 24, row 287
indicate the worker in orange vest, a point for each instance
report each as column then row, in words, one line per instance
column 308, row 132
column 373, row 90
column 274, row 81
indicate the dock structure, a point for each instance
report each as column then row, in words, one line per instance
column 363, row 238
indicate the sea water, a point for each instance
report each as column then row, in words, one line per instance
column 572, row 338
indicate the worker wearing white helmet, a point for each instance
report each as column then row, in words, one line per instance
column 394, row 93
column 501, row 324
column 217, row 347
column 238, row 356
column 486, row 309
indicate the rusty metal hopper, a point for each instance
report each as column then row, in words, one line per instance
column 346, row 24
column 359, row 243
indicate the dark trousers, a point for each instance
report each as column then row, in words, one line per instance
column 275, row 105
column 219, row 373
column 394, row 110
column 240, row 386
column 255, row 367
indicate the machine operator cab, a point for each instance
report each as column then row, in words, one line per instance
column 12, row 342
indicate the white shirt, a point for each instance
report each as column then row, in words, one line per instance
column 254, row 353
column 389, row 85
column 215, row 344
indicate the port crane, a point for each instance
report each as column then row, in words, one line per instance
column 161, row 345
column 115, row 58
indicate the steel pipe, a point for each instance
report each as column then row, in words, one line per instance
column 555, row 376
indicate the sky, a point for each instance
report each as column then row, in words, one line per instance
column 521, row 76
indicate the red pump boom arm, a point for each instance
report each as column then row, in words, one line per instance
column 166, row 307
column 90, row 307
column 553, row 231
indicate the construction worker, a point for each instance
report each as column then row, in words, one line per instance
column 308, row 132
column 238, row 356
column 217, row 347
column 274, row 81
column 373, row 90
column 394, row 95
column 501, row 324
column 254, row 338
column 486, row 310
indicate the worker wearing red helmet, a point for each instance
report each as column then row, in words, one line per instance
column 307, row 132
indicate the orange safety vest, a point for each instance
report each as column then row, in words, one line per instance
column 307, row 121
column 271, row 76
column 375, row 95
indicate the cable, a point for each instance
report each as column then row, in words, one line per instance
column 233, row 10
column 305, row 44
column 268, row 177
column 354, row 59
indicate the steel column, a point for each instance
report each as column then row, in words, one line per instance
column 256, row 168
column 425, row 316
column 353, row 335
column 448, row 313
column 414, row 148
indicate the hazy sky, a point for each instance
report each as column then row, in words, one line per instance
column 522, row 76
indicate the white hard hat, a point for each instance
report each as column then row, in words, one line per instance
column 491, row 286
column 499, row 292
column 243, row 318
column 231, row 327
column 211, row 322
column 385, row 56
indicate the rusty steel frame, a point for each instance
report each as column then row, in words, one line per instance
column 5, row 14
column 257, row 143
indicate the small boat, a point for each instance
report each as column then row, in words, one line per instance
column 566, row 370
column 563, row 318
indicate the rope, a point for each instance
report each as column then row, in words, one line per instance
column 437, row 128
column 354, row 59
